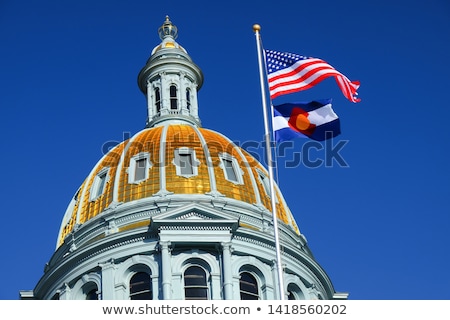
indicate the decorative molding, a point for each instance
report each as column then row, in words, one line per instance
column 193, row 214
column 204, row 227
column 108, row 248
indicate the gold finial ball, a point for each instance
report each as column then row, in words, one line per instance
column 256, row 27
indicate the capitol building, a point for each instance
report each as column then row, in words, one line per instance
column 178, row 211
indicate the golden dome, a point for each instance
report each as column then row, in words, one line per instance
column 174, row 162
column 148, row 166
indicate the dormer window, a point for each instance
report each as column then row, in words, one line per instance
column 265, row 182
column 139, row 167
column 99, row 184
column 77, row 194
column 157, row 100
column 186, row 164
column 173, row 98
column 231, row 169
column 186, row 167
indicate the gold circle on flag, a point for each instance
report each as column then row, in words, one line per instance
column 302, row 122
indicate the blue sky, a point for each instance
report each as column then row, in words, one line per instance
column 379, row 227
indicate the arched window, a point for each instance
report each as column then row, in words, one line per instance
column 92, row 294
column 294, row 292
column 195, row 284
column 173, row 98
column 188, row 98
column 157, row 100
column 140, row 287
column 248, row 287
column 89, row 291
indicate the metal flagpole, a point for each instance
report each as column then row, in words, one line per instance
column 256, row 28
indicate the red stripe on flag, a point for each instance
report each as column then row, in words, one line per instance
column 305, row 74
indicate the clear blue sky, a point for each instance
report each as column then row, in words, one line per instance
column 380, row 227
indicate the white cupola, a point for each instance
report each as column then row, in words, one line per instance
column 170, row 80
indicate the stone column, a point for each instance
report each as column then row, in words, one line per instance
column 108, row 278
column 165, row 94
column 150, row 101
column 64, row 294
column 274, row 292
column 227, row 276
column 166, row 269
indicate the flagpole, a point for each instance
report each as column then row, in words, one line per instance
column 256, row 29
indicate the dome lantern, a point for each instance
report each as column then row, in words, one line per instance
column 168, row 30
column 170, row 80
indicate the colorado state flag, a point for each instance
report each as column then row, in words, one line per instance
column 305, row 120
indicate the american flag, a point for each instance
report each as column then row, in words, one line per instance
column 290, row 72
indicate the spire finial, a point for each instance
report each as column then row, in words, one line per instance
column 168, row 30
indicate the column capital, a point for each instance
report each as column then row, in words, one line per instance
column 227, row 246
column 164, row 245
column 107, row 264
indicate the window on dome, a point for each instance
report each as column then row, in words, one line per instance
column 266, row 183
column 75, row 197
column 188, row 98
column 231, row 169
column 248, row 287
column 139, row 166
column 139, row 172
column 140, row 287
column 173, row 98
column 99, row 184
column 195, row 284
column 157, row 100
column 186, row 164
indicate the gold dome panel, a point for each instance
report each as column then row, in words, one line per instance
column 160, row 145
